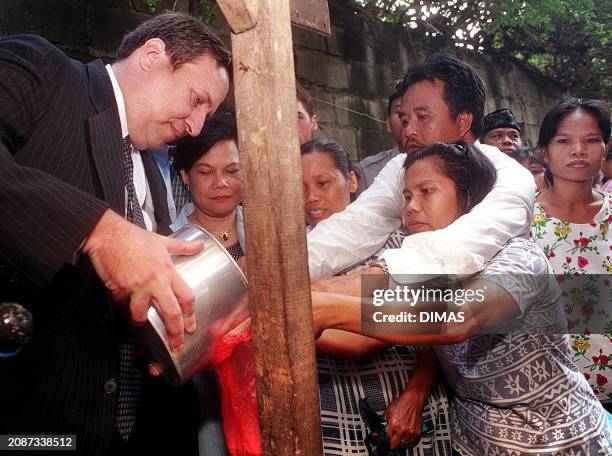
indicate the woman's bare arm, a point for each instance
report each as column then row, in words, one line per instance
column 344, row 344
column 338, row 311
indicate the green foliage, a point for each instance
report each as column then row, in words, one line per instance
column 151, row 4
column 208, row 11
column 567, row 40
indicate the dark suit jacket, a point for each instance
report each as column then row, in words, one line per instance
column 60, row 169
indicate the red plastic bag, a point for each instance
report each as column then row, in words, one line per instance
column 233, row 359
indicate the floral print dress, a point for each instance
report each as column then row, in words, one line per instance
column 580, row 256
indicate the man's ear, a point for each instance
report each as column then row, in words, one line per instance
column 388, row 125
column 353, row 182
column 314, row 122
column 465, row 123
column 152, row 54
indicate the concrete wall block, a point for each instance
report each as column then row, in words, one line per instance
column 359, row 46
column 322, row 69
column 347, row 103
column 308, row 40
column 377, row 108
column 324, row 109
column 373, row 141
column 345, row 136
column 344, row 102
column 368, row 111
column 351, row 69
column 336, row 43
column 389, row 49
column 407, row 56
column 369, row 81
column 506, row 88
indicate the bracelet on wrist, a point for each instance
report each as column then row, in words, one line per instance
column 382, row 264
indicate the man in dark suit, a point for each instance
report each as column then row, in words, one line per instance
column 70, row 175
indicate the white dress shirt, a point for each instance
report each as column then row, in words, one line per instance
column 356, row 233
column 143, row 193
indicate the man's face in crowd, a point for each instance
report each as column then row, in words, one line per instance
column 394, row 122
column 505, row 139
column 426, row 118
column 173, row 104
column 306, row 123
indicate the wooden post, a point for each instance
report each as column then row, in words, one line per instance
column 279, row 285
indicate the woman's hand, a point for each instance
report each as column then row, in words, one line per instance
column 404, row 419
column 404, row 415
column 348, row 285
column 351, row 284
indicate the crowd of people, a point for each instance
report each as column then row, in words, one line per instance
column 99, row 163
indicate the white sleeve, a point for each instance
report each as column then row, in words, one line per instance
column 358, row 232
column 468, row 243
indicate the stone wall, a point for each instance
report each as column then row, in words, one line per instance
column 348, row 73
column 351, row 72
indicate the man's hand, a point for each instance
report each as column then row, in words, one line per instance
column 404, row 419
column 135, row 266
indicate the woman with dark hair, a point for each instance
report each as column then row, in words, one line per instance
column 210, row 169
column 571, row 222
column 517, row 392
column 364, row 367
column 470, row 171
column 329, row 179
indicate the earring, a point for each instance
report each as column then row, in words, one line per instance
column 187, row 186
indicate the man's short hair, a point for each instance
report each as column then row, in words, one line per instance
column 186, row 38
column 395, row 91
column 464, row 90
column 304, row 97
column 502, row 118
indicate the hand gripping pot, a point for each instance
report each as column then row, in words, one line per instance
column 220, row 290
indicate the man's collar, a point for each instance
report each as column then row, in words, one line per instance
column 120, row 101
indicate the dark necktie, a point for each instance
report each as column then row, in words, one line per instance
column 130, row 374
column 133, row 211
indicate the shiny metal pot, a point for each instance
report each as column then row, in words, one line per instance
column 220, row 290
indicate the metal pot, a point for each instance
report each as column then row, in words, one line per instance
column 220, row 304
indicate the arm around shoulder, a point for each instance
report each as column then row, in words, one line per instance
column 468, row 243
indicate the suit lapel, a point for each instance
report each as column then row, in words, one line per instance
column 105, row 137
